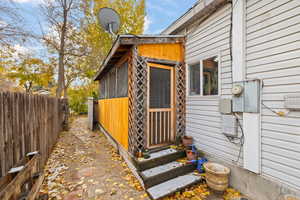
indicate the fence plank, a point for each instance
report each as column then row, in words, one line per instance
column 28, row 123
column 2, row 140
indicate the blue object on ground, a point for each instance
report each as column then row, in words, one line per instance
column 193, row 147
column 199, row 163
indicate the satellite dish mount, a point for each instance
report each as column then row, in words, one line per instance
column 109, row 20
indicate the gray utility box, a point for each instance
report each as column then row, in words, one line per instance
column 248, row 100
column 229, row 125
column 225, row 106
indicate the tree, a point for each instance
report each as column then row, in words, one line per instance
column 62, row 18
column 11, row 29
column 132, row 14
column 79, row 95
column 30, row 73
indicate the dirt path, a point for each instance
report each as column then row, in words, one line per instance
column 84, row 166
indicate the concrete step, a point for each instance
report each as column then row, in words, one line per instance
column 162, row 173
column 158, row 158
column 173, row 185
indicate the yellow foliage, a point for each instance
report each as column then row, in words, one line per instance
column 231, row 193
column 132, row 14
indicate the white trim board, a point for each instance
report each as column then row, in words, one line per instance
column 251, row 121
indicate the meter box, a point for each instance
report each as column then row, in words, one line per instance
column 225, row 106
column 246, row 96
column 292, row 102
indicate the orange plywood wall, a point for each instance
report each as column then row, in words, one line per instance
column 113, row 116
column 162, row 51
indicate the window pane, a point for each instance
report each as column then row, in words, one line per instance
column 160, row 88
column 210, row 76
column 122, row 80
column 194, row 74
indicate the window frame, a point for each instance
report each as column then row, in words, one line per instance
column 200, row 62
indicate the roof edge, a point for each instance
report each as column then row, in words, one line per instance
column 200, row 9
column 135, row 40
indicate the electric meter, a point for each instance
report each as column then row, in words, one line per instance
column 237, row 90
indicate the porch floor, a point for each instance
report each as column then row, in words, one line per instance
column 84, row 166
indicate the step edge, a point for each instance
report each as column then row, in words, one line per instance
column 182, row 170
column 140, row 166
column 176, row 190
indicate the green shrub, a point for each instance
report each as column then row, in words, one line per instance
column 78, row 97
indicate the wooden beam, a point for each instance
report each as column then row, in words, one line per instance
column 36, row 187
column 161, row 61
column 13, row 189
column 150, row 40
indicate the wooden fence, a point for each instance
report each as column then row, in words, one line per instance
column 28, row 123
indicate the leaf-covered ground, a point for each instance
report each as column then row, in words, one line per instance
column 84, row 166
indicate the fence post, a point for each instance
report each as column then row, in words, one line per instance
column 91, row 113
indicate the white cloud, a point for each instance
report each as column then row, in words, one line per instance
column 21, row 49
column 147, row 24
column 3, row 24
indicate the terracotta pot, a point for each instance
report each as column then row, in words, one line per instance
column 190, row 155
column 187, row 140
column 216, row 176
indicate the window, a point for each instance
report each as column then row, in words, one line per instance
column 210, row 76
column 194, row 74
column 204, row 77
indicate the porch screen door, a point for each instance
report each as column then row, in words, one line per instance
column 161, row 105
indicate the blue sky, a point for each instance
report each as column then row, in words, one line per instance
column 160, row 14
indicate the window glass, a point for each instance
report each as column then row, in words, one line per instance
column 210, row 76
column 194, row 75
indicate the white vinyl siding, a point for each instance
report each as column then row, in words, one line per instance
column 273, row 54
column 203, row 119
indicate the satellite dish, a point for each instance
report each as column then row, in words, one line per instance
column 109, row 20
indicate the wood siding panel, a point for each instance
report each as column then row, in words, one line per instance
column 113, row 116
column 273, row 55
column 162, row 51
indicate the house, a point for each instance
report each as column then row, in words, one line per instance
column 142, row 91
column 243, row 90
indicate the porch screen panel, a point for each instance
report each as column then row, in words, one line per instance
column 160, row 88
column 112, row 84
column 122, row 80
column 102, row 89
column 106, row 80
